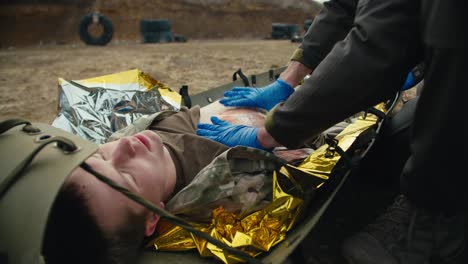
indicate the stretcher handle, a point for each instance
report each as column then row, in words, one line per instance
column 64, row 144
column 8, row 124
column 244, row 78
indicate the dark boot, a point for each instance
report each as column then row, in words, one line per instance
column 406, row 234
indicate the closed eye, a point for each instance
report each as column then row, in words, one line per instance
column 99, row 155
column 129, row 176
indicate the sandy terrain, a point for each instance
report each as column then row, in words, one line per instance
column 28, row 76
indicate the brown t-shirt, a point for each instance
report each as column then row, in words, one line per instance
column 190, row 152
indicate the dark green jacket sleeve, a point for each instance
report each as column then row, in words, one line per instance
column 367, row 67
column 330, row 26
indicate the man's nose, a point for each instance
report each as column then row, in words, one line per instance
column 123, row 151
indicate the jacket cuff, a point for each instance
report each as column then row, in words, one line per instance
column 278, row 133
column 309, row 60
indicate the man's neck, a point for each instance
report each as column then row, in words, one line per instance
column 171, row 176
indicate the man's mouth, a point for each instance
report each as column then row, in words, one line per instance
column 144, row 140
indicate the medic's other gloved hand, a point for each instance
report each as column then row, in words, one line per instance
column 410, row 82
column 229, row 134
column 266, row 97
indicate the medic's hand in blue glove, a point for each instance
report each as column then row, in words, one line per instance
column 229, row 134
column 266, row 97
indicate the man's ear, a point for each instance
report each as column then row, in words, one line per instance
column 151, row 221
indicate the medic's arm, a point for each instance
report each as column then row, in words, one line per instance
column 368, row 66
column 330, row 26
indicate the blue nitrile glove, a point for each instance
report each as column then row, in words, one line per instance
column 410, row 82
column 266, row 97
column 229, row 134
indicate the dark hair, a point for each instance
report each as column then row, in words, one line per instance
column 73, row 236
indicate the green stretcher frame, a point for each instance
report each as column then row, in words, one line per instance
column 315, row 210
column 22, row 225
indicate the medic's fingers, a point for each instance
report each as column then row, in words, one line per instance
column 238, row 91
column 237, row 102
column 236, row 97
column 229, row 101
column 207, row 130
column 206, row 126
column 216, row 121
column 207, row 133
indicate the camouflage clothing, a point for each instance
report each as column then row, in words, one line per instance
column 239, row 179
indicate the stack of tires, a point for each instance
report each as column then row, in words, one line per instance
column 156, row 30
column 284, row 31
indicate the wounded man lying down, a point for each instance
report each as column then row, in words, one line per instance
column 92, row 223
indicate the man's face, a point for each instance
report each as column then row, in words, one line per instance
column 139, row 163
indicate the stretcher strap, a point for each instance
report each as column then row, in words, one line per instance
column 242, row 76
column 168, row 216
column 376, row 112
column 185, row 96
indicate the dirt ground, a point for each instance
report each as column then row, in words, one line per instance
column 28, row 76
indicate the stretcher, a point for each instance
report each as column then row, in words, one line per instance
column 22, row 225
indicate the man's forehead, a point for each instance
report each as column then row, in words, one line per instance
column 78, row 176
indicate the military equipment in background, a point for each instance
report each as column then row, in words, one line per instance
column 307, row 24
column 284, row 31
column 156, row 30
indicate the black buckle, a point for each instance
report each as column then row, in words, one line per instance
column 334, row 148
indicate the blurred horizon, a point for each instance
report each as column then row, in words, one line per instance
column 43, row 22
